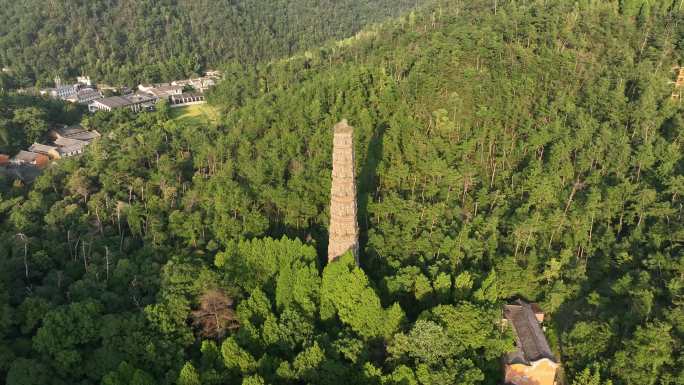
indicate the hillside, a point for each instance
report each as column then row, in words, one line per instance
column 532, row 150
column 129, row 41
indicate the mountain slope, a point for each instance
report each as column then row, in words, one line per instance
column 530, row 152
column 125, row 41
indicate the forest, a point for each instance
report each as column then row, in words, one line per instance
column 506, row 149
column 126, row 42
column 26, row 119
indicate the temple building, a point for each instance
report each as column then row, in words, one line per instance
column 134, row 102
column 51, row 151
column 344, row 229
column 28, row 158
column 532, row 363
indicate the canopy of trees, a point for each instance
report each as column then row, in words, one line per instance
column 129, row 41
column 504, row 150
column 25, row 119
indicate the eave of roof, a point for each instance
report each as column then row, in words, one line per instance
column 531, row 341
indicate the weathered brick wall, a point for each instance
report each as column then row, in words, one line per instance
column 542, row 372
column 344, row 229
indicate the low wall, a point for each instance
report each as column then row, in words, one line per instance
column 187, row 104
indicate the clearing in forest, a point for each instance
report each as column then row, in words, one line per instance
column 197, row 114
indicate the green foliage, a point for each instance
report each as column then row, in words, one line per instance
column 346, row 293
column 133, row 41
column 127, row 374
column 526, row 152
column 642, row 358
column 66, row 334
column 427, row 343
column 587, row 342
column 188, row 375
column 473, row 328
column 253, row 380
column 33, row 122
column 264, row 262
column 27, row 372
column 439, row 339
column 306, row 364
column 590, row 377
column 236, row 358
column 26, row 119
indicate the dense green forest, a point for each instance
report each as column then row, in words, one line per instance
column 129, row 41
column 25, row 120
column 504, row 149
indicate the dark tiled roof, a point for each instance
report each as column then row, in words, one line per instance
column 125, row 101
column 85, row 135
column 531, row 341
column 41, row 148
column 69, row 142
column 140, row 98
column 70, row 130
column 115, row 101
column 26, row 156
column 89, row 92
column 168, row 88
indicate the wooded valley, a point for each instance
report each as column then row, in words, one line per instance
column 132, row 41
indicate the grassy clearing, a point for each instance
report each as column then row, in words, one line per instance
column 198, row 114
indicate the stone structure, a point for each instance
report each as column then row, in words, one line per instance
column 344, row 229
column 186, row 98
column 533, row 362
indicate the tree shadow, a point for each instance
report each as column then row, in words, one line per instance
column 368, row 186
